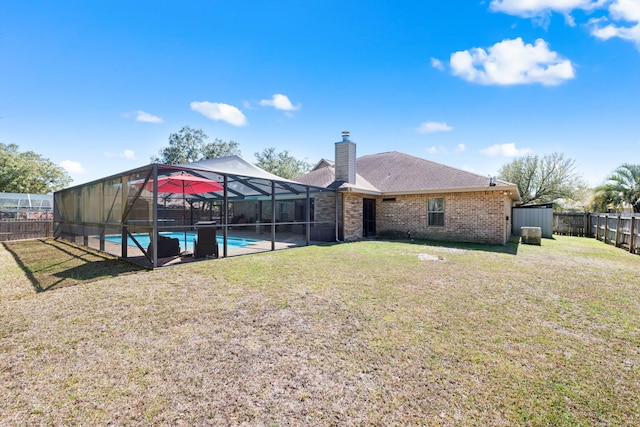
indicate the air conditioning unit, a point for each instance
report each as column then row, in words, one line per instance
column 531, row 235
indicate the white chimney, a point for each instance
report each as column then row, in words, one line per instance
column 346, row 159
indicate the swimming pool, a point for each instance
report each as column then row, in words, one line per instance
column 143, row 239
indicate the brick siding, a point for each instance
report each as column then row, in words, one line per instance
column 352, row 216
column 325, row 207
column 469, row 217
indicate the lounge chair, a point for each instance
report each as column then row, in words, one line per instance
column 167, row 247
column 206, row 243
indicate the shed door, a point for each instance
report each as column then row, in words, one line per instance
column 368, row 217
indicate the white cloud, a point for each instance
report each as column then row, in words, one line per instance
column 280, row 102
column 430, row 127
column 432, row 150
column 129, row 154
column 625, row 15
column 512, row 62
column 626, row 10
column 505, row 150
column 542, row 8
column 72, row 166
column 569, row 20
column 142, row 116
column 437, row 64
column 620, row 10
column 460, row 148
column 219, row 111
column 126, row 154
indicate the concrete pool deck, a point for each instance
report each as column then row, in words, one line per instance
column 256, row 245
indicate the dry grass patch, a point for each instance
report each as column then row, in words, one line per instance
column 362, row 333
column 51, row 264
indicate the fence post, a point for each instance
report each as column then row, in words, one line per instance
column 586, row 231
column 632, row 238
column 598, row 230
column 618, row 222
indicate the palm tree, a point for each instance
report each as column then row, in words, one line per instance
column 621, row 188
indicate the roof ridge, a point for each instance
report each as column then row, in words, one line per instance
column 435, row 163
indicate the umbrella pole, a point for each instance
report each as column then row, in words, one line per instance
column 184, row 216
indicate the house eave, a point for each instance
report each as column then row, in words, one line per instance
column 507, row 190
column 359, row 191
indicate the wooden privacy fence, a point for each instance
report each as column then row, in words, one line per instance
column 619, row 230
column 571, row 224
column 25, row 229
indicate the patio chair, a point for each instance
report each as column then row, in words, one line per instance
column 167, row 247
column 206, row 243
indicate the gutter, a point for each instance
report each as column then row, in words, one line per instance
column 511, row 190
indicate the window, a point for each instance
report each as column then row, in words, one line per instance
column 436, row 211
column 284, row 211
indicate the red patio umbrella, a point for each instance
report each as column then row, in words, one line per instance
column 184, row 183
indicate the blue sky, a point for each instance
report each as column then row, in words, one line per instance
column 98, row 86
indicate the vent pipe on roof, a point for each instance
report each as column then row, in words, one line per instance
column 346, row 159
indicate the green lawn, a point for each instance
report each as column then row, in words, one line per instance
column 363, row 333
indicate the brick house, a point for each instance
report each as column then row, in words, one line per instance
column 395, row 195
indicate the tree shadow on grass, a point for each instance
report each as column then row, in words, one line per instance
column 51, row 264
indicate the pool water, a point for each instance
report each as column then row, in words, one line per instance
column 143, row 240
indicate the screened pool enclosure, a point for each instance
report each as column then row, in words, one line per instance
column 158, row 214
column 26, row 206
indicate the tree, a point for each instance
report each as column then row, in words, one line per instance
column 621, row 188
column 189, row 145
column 282, row 164
column 601, row 200
column 581, row 201
column 28, row 172
column 543, row 179
column 220, row 148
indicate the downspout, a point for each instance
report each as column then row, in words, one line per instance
column 337, row 223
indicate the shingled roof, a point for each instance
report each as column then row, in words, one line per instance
column 396, row 173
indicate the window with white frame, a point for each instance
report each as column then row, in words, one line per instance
column 436, row 211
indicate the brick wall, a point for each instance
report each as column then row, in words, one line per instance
column 325, row 207
column 249, row 209
column 352, row 216
column 473, row 217
column 469, row 217
column 324, row 216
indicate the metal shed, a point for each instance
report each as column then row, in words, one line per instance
column 533, row 216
